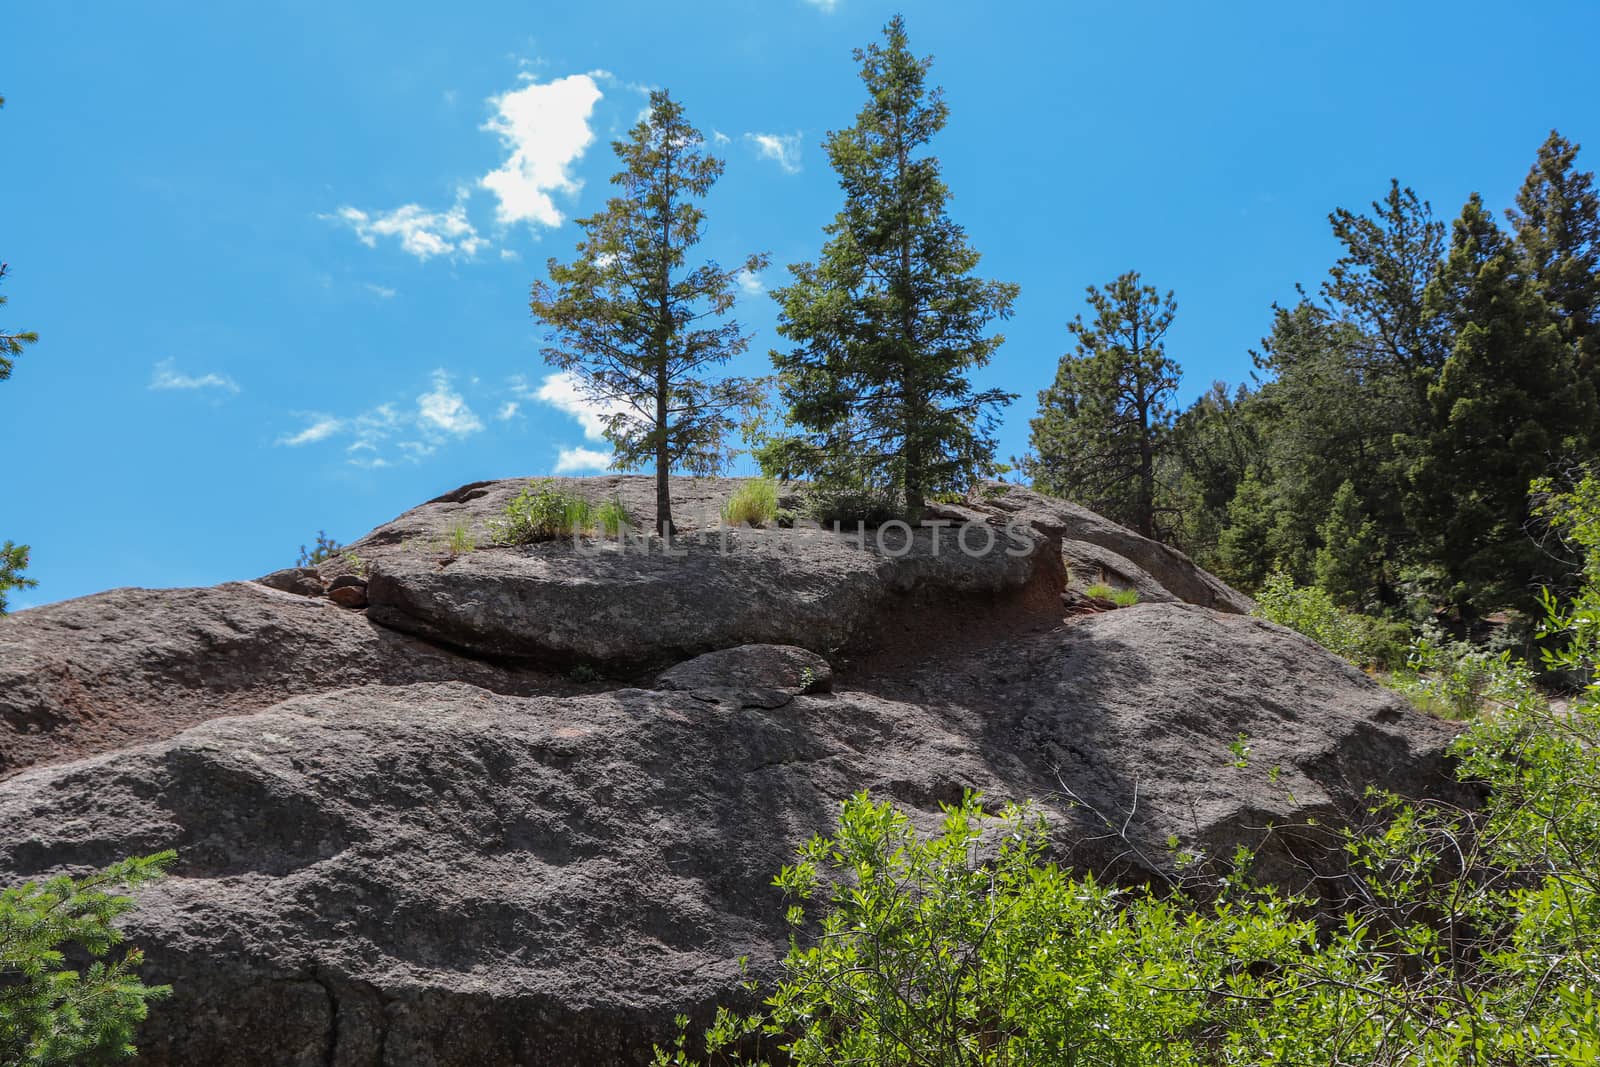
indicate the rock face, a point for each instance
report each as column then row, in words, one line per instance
column 436, row 874
column 394, row 853
column 634, row 606
column 783, row 667
column 113, row 669
column 1094, row 546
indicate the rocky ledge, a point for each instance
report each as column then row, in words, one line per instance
column 395, row 851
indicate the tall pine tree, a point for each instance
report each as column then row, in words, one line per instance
column 891, row 321
column 1103, row 422
column 1557, row 226
column 1507, row 407
column 635, row 325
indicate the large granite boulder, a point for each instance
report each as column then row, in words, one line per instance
column 438, row 874
column 130, row 665
column 638, row 603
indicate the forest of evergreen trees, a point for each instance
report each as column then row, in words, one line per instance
column 1385, row 447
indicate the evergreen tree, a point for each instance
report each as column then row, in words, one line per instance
column 13, row 561
column 55, row 1014
column 891, row 320
column 1508, row 406
column 1108, row 415
column 635, row 326
column 1557, row 226
column 1347, row 562
column 1213, row 443
column 11, row 343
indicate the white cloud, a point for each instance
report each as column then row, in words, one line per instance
column 423, row 234
column 823, row 5
column 750, row 282
column 442, row 409
column 718, row 137
column 782, row 148
column 166, row 376
column 563, row 392
column 572, row 460
column 545, row 129
column 382, row 292
column 375, row 435
column 508, row 410
column 321, row 428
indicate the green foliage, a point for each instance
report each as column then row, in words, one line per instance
column 628, row 317
column 612, row 517
column 460, row 541
column 1106, row 420
column 51, row 1011
column 11, row 343
column 13, row 561
column 1557, row 225
column 325, row 549
column 1457, row 680
column 1311, row 611
column 1455, row 937
column 835, row 500
column 543, row 511
column 1508, row 406
column 890, row 322
column 1349, row 560
column 1122, row 598
column 754, row 503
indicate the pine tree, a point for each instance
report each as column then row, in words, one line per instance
column 1347, row 562
column 55, row 1014
column 13, row 561
column 638, row 328
column 1108, row 415
column 1557, row 226
column 11, row 343
column 1508, row 406
column 891, row 321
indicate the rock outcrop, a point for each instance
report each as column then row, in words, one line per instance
column 130, row 665
column 392, row 852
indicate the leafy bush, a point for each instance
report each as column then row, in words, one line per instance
column 50, row 1013
column 755, row 503
column 1454, row 680
column 612, row 517
column 543, row 511
column 849, row 503
column 325, row 549
column 1308, row 610
column 13, row 561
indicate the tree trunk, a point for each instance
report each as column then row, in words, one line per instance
column 664, row 525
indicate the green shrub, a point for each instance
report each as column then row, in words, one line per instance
column 543, row 511
column 612, row 517
column 1454, row 680
column 324, row 549
column 754, row 503
column 1362, row 640
column 50, row 1012
column 1458, row 937
column 849, row 504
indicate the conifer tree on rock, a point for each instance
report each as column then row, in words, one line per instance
column 1104, row 422
column 635, row 326
column 892, row 320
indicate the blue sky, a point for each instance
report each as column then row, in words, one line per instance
column 279, row 254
